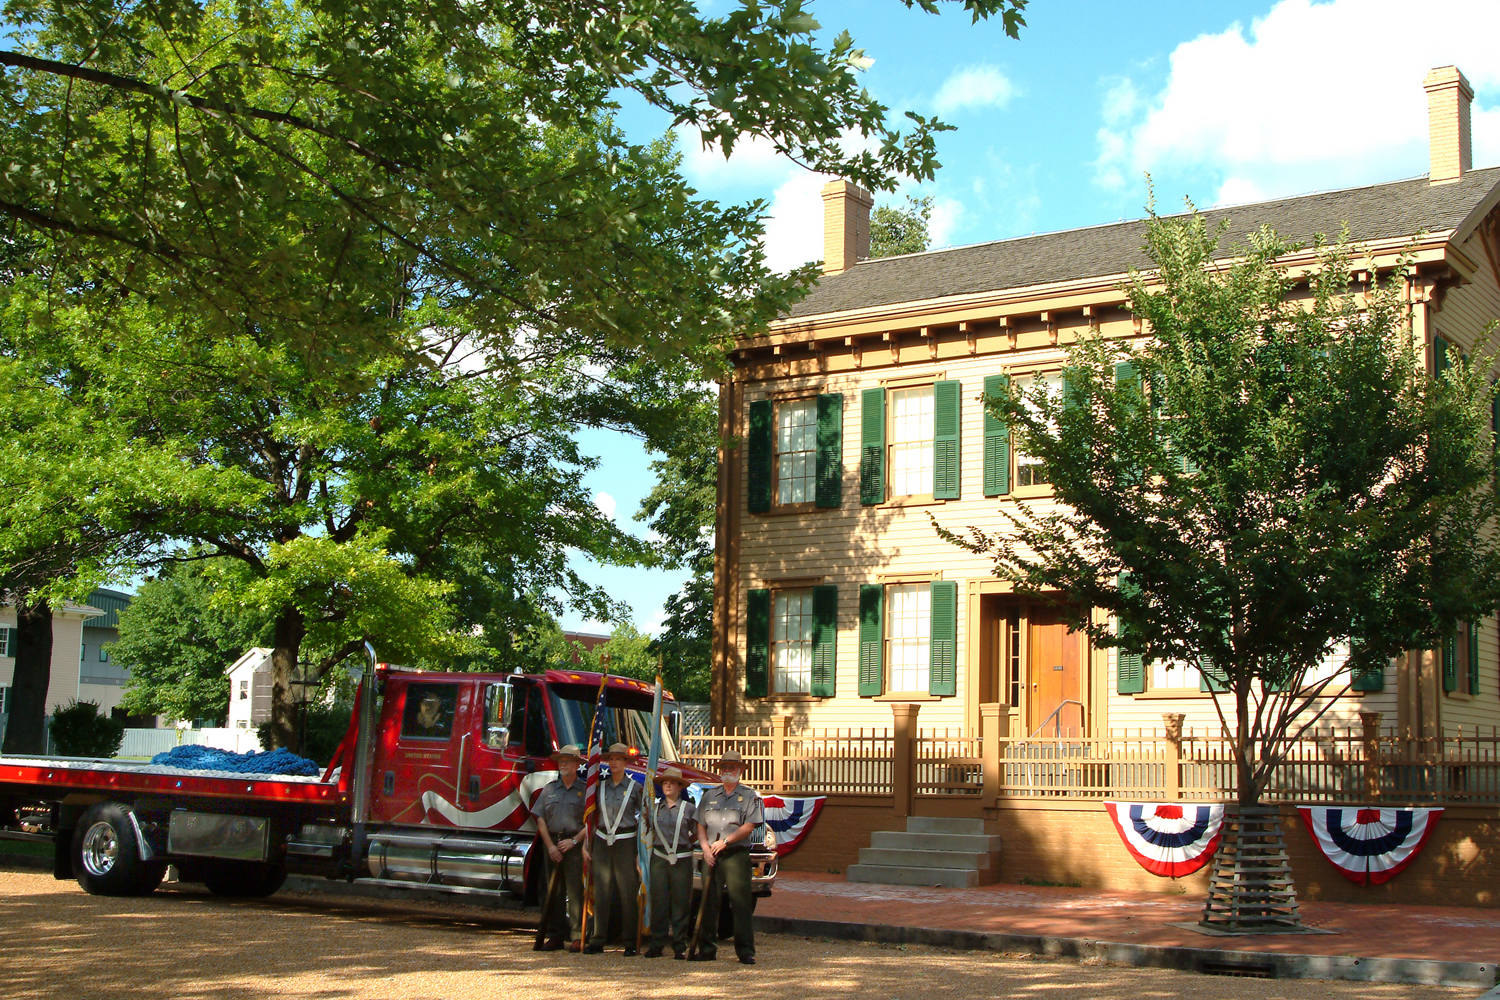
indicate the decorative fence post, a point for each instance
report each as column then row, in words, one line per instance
column 778, row 752
column 1172, row 785
column 994, row 719
column 903, row 757
column 1370, row 723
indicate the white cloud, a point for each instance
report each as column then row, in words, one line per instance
column 947, row 217
column 752, row 161
column 655, row 622
column 606, row 504
column 794, row 222
column 973, row 87
column 1310, row 96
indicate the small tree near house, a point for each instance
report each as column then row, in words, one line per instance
column 1270, row 475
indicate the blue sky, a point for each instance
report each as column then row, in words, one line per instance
column 1225, row 102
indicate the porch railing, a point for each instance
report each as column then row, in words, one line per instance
column 1354, row 766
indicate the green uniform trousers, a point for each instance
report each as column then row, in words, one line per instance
column 566, row 920
column 616, row 877
column 671, row 902
column 731, row 875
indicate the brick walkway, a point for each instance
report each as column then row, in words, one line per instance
column 1377, row 931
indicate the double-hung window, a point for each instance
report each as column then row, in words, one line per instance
column 792, row 642
column 791, row 638
column 796, row 451
column 1030, row 471
column 908, row 636
column 908, row 639
column 911, row 441
column 1461, row 659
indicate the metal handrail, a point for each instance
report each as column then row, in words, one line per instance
column 1057, row 732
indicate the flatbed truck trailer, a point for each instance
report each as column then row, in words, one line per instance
column 431, row 788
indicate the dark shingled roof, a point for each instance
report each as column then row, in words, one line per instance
column 1381, row 211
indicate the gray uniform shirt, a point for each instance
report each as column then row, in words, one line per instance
column 613, row 802
column 561, row 808
column 722, row 813
column 666, row 822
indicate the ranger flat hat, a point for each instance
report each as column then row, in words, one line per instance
column 670, row 772
column 617, row 750
column 570, row 750
column 731, row 757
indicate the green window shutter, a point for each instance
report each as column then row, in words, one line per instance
column 942, row 671
column 871, row 640
column 1450, row 662
column 1439, row 357
column 759, row 483
column 1130, row 673
column 830, row 472
column 1473, row 657
column 996, row 441
column 1495, row 433
column 946, row 467
column 1126, row 374
column 825, row 640
column 872, row 446
column 1211, row 678
column 1369, row 680
column 1071, row 395
column 757, row 643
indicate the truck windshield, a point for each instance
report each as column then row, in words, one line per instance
column 628, row 722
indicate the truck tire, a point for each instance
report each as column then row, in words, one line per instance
column 107, row 857
column 244, row 879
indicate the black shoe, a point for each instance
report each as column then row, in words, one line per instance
column 592, row 949
column 653, row 953
column 747, row 959
column 631, row 953
column 553, row 944
column 700, row 957
column 679, row 955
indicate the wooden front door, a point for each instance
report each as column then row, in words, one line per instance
column 1055, row 671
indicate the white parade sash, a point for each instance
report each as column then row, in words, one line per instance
column 607, row 832
column 674, row 855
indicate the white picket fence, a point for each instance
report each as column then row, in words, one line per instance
column 150, row 742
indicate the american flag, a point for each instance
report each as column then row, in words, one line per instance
column 591, row 782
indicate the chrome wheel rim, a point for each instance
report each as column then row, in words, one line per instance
column 101, row 846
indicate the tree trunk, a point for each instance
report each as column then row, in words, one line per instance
column 290, row 630
column 26, row 732
column 1249, row 795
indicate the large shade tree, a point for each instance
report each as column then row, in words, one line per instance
column 1267, row 478
column 365, row 265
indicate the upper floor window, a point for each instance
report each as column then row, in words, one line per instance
column 244, row 690
column 796, row 451
column 911, row 441
column 1030, row 471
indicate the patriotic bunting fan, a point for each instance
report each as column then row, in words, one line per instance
column 1167, row 838
column 791, row 819
column 1369, row 846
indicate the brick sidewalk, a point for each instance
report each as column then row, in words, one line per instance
column 1432, row 933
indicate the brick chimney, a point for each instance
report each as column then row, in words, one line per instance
column 846, row 225
column 1448, row 97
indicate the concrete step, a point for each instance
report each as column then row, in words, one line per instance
column 966, row 860
column 896, row 840
column 955, row 878
column 943, row 824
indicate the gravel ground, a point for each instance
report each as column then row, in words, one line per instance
column 57, row 941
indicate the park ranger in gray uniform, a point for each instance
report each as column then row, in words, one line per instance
column 613, row 860
column 727, row 816
column 559, row 823
column 674, row 834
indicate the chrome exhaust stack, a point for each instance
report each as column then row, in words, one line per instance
column 364, row 750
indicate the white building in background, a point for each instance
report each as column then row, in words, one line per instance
column 249, row 689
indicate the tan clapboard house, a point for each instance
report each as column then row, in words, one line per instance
column 858, row 420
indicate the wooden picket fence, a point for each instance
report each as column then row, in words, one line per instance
column 1331, row 766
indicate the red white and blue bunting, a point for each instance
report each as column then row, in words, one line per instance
column 1369, row 846
column 791, row 819
column 1167, row 838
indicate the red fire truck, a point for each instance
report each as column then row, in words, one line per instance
column 431, row 788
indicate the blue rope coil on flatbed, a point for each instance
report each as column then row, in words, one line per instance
column 194, row 757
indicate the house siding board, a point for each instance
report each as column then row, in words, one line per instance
column 1380, row 211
